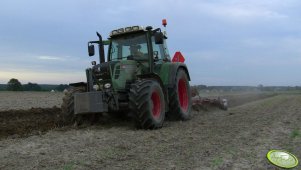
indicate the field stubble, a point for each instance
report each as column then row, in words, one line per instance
column 235, row 139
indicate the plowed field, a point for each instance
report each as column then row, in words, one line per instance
column 32, row 136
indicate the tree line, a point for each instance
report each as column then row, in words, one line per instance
column 260, row 87
column 15, row 85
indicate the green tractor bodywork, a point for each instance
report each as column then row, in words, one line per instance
column 138, row 77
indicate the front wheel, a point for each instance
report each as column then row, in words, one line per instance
column 68, row 103
column 180, row 97
column 147, row 104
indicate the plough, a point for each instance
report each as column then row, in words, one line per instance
column 203, row 102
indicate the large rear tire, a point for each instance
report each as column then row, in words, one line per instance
column 68, row 104
column 180, row 97
column 147, row 104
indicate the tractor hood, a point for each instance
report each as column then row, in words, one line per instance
column 117, row 72
column 123, row 71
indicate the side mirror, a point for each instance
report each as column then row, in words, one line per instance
column 159, row 37
column 91, row 50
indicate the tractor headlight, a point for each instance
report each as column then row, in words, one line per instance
column 128, row 29
column 114, row 32
column 136, row 28
column 120, row 30
column 107, row 85
column 96, row 87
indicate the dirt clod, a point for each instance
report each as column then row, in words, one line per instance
column 23, row 122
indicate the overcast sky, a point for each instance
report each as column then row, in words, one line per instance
column 225, row 42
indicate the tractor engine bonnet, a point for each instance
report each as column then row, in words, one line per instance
column 118, row 72
column 123, row 71
column 102, row 71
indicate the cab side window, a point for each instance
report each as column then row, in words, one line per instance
column 166, row 52
column 158, row 50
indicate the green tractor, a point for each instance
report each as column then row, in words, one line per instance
column 138, row 77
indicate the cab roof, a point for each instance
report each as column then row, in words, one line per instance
column 127, row 30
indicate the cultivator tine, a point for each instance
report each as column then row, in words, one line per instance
column 202, row 101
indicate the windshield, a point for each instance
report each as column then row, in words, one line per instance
column 129, row 47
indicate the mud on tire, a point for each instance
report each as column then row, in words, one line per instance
column 68, row 104
column 147, row 104
column 180, row 98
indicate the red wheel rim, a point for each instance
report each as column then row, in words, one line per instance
column 183, row 95
column 156, row 110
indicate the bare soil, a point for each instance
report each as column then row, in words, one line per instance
column 28, row 100
column 21, row 123
column 235, row 139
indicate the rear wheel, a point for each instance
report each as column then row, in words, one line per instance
column 68, row 104
column 147, row 104
column 180, row 97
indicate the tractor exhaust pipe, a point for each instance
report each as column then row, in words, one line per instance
column 101, row 49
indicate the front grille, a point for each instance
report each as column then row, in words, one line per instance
column 117, row 72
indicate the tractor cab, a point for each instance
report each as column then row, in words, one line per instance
column 132, row 51
column 137, row 44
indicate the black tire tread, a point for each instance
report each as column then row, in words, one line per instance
column 175, row 112
column 138, row 102
column 67, row 106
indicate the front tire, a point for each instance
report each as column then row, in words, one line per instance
column 68, row 104
column 147, row 104
column 180, row 97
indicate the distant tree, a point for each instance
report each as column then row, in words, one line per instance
column 202, row 87
column 14, row 85
column 260, row 87
column 268, row 88
column 61, row 87
column 31, row 87
column 3, row 87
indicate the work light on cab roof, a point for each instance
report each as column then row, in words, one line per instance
column 126, row 30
